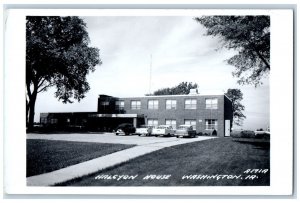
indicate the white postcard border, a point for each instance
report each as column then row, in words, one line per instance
column 281, row 105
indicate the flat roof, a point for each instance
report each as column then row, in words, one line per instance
column 179, row 95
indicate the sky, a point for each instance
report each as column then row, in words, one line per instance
column 169, row 50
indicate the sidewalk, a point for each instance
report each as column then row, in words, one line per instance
column 94, row 165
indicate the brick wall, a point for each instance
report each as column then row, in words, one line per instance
column 200, row 114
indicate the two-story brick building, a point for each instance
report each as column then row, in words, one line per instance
column 204, row 112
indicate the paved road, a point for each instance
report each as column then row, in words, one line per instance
column 145, row 145
column 113, row 139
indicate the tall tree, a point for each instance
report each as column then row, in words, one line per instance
column 250, row 37
column 57, row 55
column 181, row 88
column 236, row 96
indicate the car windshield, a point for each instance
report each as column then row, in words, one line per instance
column 162, row 127
column 182, row 127
column 144, row 126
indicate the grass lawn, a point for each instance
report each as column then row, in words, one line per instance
column 50, row 155
column 222, row 156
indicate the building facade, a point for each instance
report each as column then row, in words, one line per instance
column 206, row 113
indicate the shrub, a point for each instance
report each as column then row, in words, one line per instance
column 263, row 136
column 243, row 134
column 248, row 134
column 235, row 133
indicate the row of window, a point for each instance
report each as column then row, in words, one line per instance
column 170, row 104
column 210, row 124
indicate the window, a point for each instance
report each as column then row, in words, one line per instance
column 211, row 103
column 135, row 104
column 53, row 120
column 211, row 124
column 152, row 104
column 44, row 120
column 190, row 104
column 152, row 122
column 104, row 103
column 171, row 122
column 119, row 105
column 171, row 104
column 104, row 106
column 191, row 122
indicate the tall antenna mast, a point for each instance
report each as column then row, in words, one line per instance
column 150, row 78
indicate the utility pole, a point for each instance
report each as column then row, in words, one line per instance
column 150, row 78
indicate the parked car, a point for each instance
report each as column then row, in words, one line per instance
column 261, row 132
column 163, row 130
column 185, row 131
column 125, row 129
column 144, row 130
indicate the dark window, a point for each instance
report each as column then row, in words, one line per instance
column 120, row 105
column 211, row 124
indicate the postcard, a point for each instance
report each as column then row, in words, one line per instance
column 149, row 101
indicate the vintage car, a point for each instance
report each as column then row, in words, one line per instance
column 185, row 131
column 144, row 130
column 261, row 132
column 125, row 129
column 163, row 130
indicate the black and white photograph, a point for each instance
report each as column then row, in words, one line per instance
column 130, row 99
column 148, row 101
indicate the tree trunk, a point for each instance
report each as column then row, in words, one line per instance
column 27, row 112
column 32, row 100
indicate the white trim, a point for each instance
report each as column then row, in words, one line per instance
column 117, row 115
